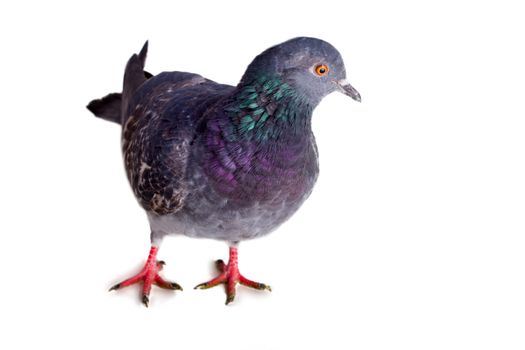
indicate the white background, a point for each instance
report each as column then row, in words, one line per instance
column 412, row 239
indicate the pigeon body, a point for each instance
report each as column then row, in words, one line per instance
column 244, row 175
column 223, row 162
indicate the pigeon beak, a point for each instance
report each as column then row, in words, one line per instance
column 349, row 90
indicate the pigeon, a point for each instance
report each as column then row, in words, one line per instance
column 223, row 162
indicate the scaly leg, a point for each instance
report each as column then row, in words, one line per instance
column 149, row 275
column 231, row 276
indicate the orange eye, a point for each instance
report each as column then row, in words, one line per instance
column 321, row 70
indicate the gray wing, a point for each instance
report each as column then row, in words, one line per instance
column 158, row 133
column 155, row 162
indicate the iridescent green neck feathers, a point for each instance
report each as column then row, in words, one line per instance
column 268, row 109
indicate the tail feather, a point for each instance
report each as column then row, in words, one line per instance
column 143, row 54
column 111, row 107
column 108, row 107
column 134, row 76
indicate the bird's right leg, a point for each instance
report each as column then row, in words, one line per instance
column 149, row 275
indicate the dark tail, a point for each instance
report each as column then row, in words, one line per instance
column 111, row 107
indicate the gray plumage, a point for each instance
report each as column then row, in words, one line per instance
column 224, row 162
column 169, row 119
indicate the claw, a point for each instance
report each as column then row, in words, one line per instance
column 175, row 286
column 115, row 287
column 229, row 299
column 145, row 300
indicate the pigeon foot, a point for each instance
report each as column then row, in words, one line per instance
column 230, row 276
column 149, row 275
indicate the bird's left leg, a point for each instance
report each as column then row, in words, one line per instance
column 231, row 276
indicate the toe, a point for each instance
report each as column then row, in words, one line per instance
column 214, row 282
column 159, row 281
column 252, row 284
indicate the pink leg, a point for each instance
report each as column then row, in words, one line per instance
column 231, row 276
column 149, row 275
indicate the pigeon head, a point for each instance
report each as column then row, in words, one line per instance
column 312, row 67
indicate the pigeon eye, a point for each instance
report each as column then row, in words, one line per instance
column 321, row 70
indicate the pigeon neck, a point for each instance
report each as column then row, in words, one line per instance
column 268, row 109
